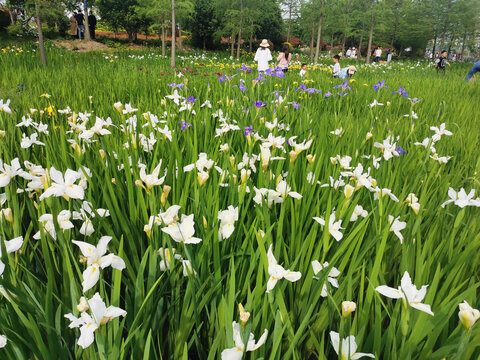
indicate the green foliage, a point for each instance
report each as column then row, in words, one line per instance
column 171, row 316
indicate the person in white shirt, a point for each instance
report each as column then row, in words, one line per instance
column 336, row 67
column 303, row 71
column 348, row 53
column 263, row 56
column 353, row 54
column 378, row 54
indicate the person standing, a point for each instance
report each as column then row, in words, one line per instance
column 442, row 61
column 284, row 58
column 378, row 54
column 81, row 27
column 389, row 55
column 92, row 24
column 475, row 68
column 263, row 56
column 73, row 25
column 348, row 53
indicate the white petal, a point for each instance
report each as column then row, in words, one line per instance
column 390, row 292
column 359, row 355
column 232, row 354
column 90, row 277
column 86, row 335
column 422, row 307
column 14, row 244
column 293, row 275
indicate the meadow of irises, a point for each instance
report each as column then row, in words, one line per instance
column 210, row 212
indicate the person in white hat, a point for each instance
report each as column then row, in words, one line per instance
column 263, row 56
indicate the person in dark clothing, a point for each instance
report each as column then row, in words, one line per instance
column 473, row 70
column 442, row 61
column 81, row 27
column 92, row 24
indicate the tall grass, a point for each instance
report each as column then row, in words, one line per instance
column 171, row 316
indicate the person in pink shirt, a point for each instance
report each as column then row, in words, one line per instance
column 284, row 58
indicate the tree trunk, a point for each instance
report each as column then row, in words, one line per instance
column 434, row 44
column 174, row 36
column 43, row 56
column 319, row 33
column 450, row 43
column 359, row 55
column 445, row 26
column 463, row 45
column 394, row 35
column 87, row 29
column 12, row 20
column 311, row 40
column 370, row 37
column 232, row 39
column 180, row 41
column 163, row 36
column 289, row 21
column 346, row 26
column 240, row 30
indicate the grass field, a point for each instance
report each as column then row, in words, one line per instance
column 221, row 145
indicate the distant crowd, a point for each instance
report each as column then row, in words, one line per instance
column 263, row 56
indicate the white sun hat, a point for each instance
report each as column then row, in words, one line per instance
column 264, row 43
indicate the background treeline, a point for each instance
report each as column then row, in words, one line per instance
column 416, row 25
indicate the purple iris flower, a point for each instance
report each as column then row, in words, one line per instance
column 173, row 85
column 222, row 78
column 191, row 99
column 258, row 104
column 400, row 151
column 328, row 94
column 414, row 100
column 401, row 91
column 343, row 93
column 381, row 84
column 310, row 90
column 269, row 71
column 242, row 87
column 260, row 77
column 184, row 125
column 280, row 74
column 248, row 130
column 245, row 68
column 295, row 105
column 344, row 86
column 301, row 87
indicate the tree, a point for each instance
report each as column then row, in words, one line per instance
column 156, row 11
column 174, row 35
column 204, row 23
column 292, row 8
column 41, row 43
column 319, row 32
column 123, row 13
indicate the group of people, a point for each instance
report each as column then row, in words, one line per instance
column 263, row 56
column 77, row 25
column 441, row 63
